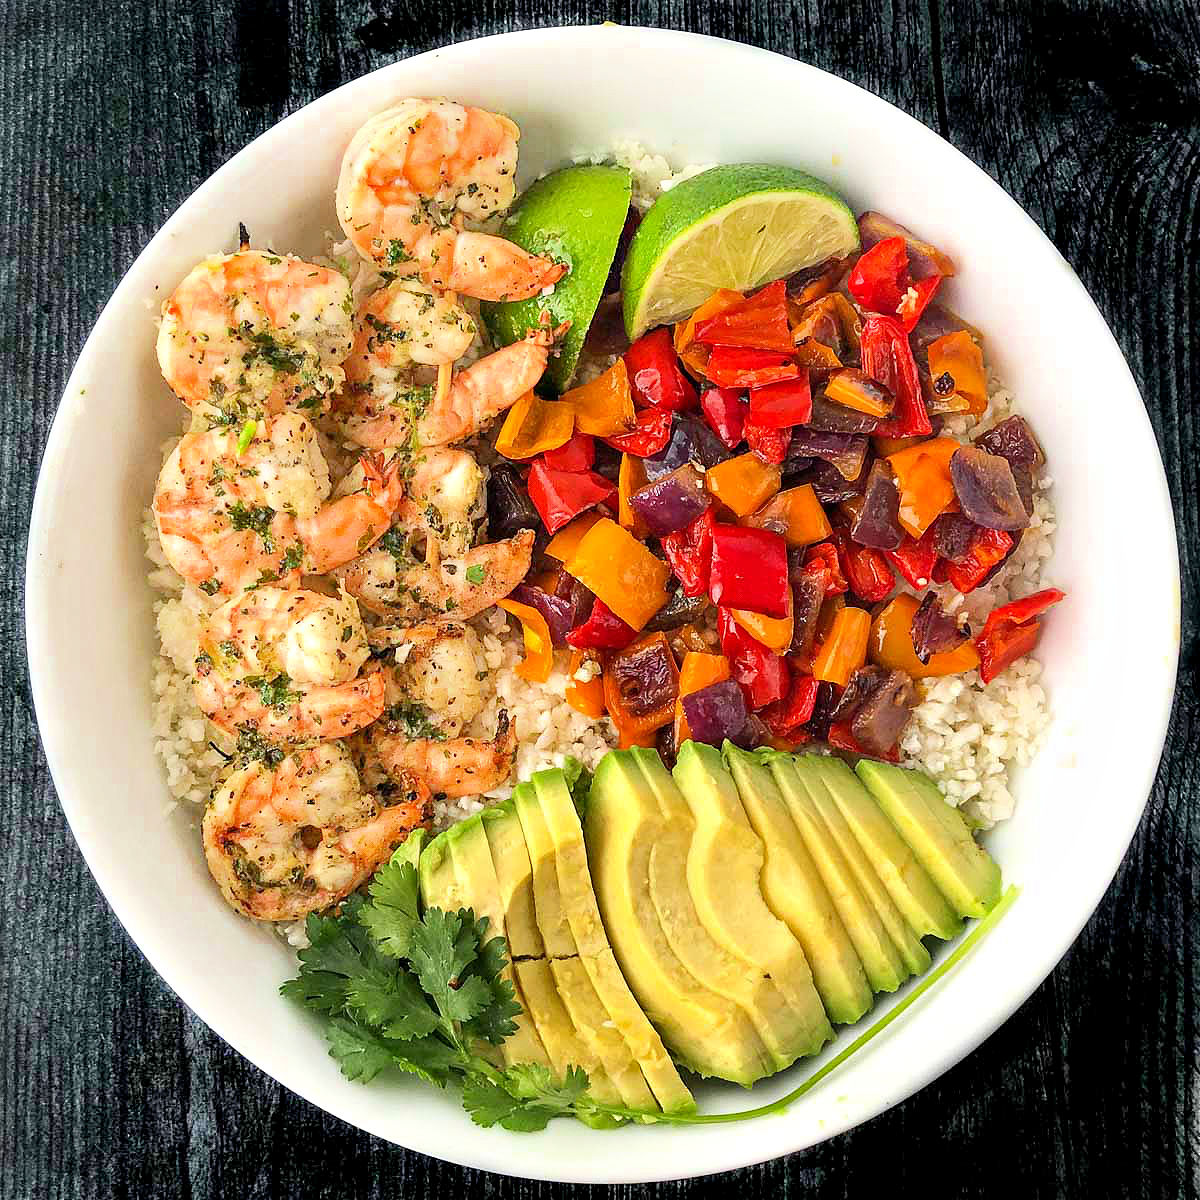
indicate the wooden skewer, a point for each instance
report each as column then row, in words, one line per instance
column 445, row 370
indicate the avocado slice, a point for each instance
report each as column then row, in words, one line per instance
column 785, row 1032
column 514, row 876
column 880, row 958
column 709, row 1032
column 547, row 899
column 912, row 953
column 793, row 890
column 599, row 1033
column 557, row 1031
column 471, row 883
column 908, row 883
column 621, row 1010
column 937, row 834
column 724, row 872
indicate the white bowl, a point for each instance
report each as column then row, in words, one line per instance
column 695, row 99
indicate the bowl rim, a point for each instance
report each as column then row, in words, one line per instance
column 483, row 1153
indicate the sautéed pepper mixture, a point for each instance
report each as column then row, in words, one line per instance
column 753, row 526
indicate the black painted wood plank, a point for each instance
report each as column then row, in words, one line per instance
column 109, row 115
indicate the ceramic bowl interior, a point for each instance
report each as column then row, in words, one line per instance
column 694, row 99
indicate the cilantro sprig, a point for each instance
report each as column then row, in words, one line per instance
column 426, row 993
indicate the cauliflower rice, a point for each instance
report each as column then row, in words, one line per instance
column 966, row 734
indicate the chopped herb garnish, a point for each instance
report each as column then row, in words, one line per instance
column 476, row 573
column 413, row 720
column 396, row 253
column 257, row 518
column 274, row 691
column 246, row 437
column 210, row 587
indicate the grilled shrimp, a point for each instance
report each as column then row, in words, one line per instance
column 437, row 668
column 443, row 498
column 230, row 520
column 412, row 174
column 450, row 767
column 286, row 836
column 285, row 662
column 389, row 399
column 390, row 581
column 256, row 332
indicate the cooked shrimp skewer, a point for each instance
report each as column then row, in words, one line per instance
column 255, row 332
column 410, row 176
column 288, row 839
column 230, row 520
column 285, row 662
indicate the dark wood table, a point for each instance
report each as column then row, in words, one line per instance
column 1088, row 113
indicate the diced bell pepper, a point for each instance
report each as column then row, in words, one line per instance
column 743, row 484
column 603, row 406
column 539, row 650
column 560, row 496
column 891, row 644
column 533, row 426
column 796, row 513
column 655, row 376
column 844, row 649
column 749, row 570
column 621, row 572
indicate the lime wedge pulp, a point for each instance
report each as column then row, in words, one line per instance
column 574, row 215
column 737, row 226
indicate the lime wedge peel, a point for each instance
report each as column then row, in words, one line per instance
column 736, row 226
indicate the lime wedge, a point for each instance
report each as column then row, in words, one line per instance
column 736, row 226
column 574, row 215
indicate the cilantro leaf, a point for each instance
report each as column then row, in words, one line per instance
column 443, row 945
column 392, row 1003
column 360, row 1053
column 488, row 1103
column 391, row 914
column 497, row 1020
column 525, row 1098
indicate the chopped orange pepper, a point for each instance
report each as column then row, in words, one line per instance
column 534, row 425
column 819, row 326
column 621, row 571
column 630, row 477
column 633, row 730
column 586, row 698
column 693, row 355
column 796, row 513
column 957, row 355
column 697, row 672
column 923, row 477
column 743, row 484
column 885, row 447
column 891, row 644
column 539, row 650
column 562, row 544
column 851, row 388
column 845, row 649
column 603, row 406
column 774, row 632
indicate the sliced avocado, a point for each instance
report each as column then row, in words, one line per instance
column 547, row 899
column 557, row 1031
column 784, row 1031
column 476, row 887
column 908, row 883
column 710, row 1033
column 583, row 915
column 561, row 822
column 724, row 872
column 937, row 834
column 514, row 875
column 793, row 889
column 912, row 953
column 880, row 959
column 435, row 872
column 600, row 1034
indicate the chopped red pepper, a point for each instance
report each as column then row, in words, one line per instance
column 725, row 411
column 865, row 569
column 782, row 405
column 824, row 557
column 689, row 553
column 763, row 676
column 760, row 322
column 749, row 570
column 915, row 560
column 653, row 432
column 730, row 366
column 880, row 277
column 603, row 630
column 1011, row 631
column 888, row 359
column 988, row 548
column 560, row 496
column 576, row 455
column 784, row 717
column 841, row 738
column 771, row 445
column 916, row 300
column 655, row 376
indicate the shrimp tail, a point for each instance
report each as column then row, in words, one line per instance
column 490, row 268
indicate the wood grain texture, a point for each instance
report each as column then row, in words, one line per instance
column 1088, row 113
